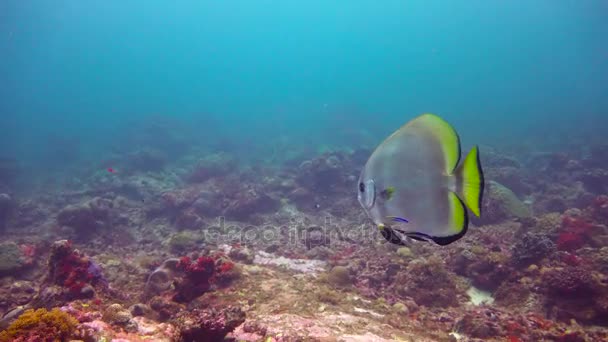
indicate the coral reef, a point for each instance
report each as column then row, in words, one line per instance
column 209, row 325
column 249, row 202
column 214, row 165
column 73, row 271
column 319, row 178
column 595, row 180
column 575, row 233
column 161, row 279
column 531, row 247
column 116, row 315
column 87, row 217
column 574, row 292
column 190, row 278
column 486, row 268
column 339, row 276
column 13, row 258
column 428, row 283
column 198, row 274
column 154, row 262
column 18, row 294
column 183, row 242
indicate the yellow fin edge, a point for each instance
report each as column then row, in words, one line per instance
column 449, row 140
column 458, row 215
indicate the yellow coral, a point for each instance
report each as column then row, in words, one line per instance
column 549, row 223
column 54, row 325
column 497, row 258
column 478, row 250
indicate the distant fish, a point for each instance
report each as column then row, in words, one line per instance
column 413, row 186
column 111, row 170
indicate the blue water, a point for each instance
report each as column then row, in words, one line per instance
column 252, row 76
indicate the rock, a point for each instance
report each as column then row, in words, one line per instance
column 164, row 307
column 20, row 292
column 339, row 276
column 87, row 291
column 315, row 237
column 404, row 252
column 428, row 283
column 11, row 315
column 401, row 308
column 139, row 309
column 249, row 202
column 208, row 203
column 183, row 242
column 207, row 325
column 253, row 327
column 298, row 265
column 480, row 325
column 87, row 217
column 302, row 197
column 392, row 269
column 116, row 315
column 187, row 219
column 244, row 255
column 11, row 258
column 595, row 180
column 215, row 165
column 252, row 270
column 325, row 174
column 598, row 156
column 511, row 177
column 162, row 277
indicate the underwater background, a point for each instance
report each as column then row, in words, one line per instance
column 273, row 72
column 127, row 128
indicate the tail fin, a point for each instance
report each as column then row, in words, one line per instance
column 469, row 181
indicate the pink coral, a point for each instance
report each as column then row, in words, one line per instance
column 575, row 233
column 199, row 274
column 71, row 269
column 568, row 241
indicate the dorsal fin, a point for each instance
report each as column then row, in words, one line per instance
column 444, row 133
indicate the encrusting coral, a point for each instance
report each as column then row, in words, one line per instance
column 40, row 325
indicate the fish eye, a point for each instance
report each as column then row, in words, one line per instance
column 367, row 194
